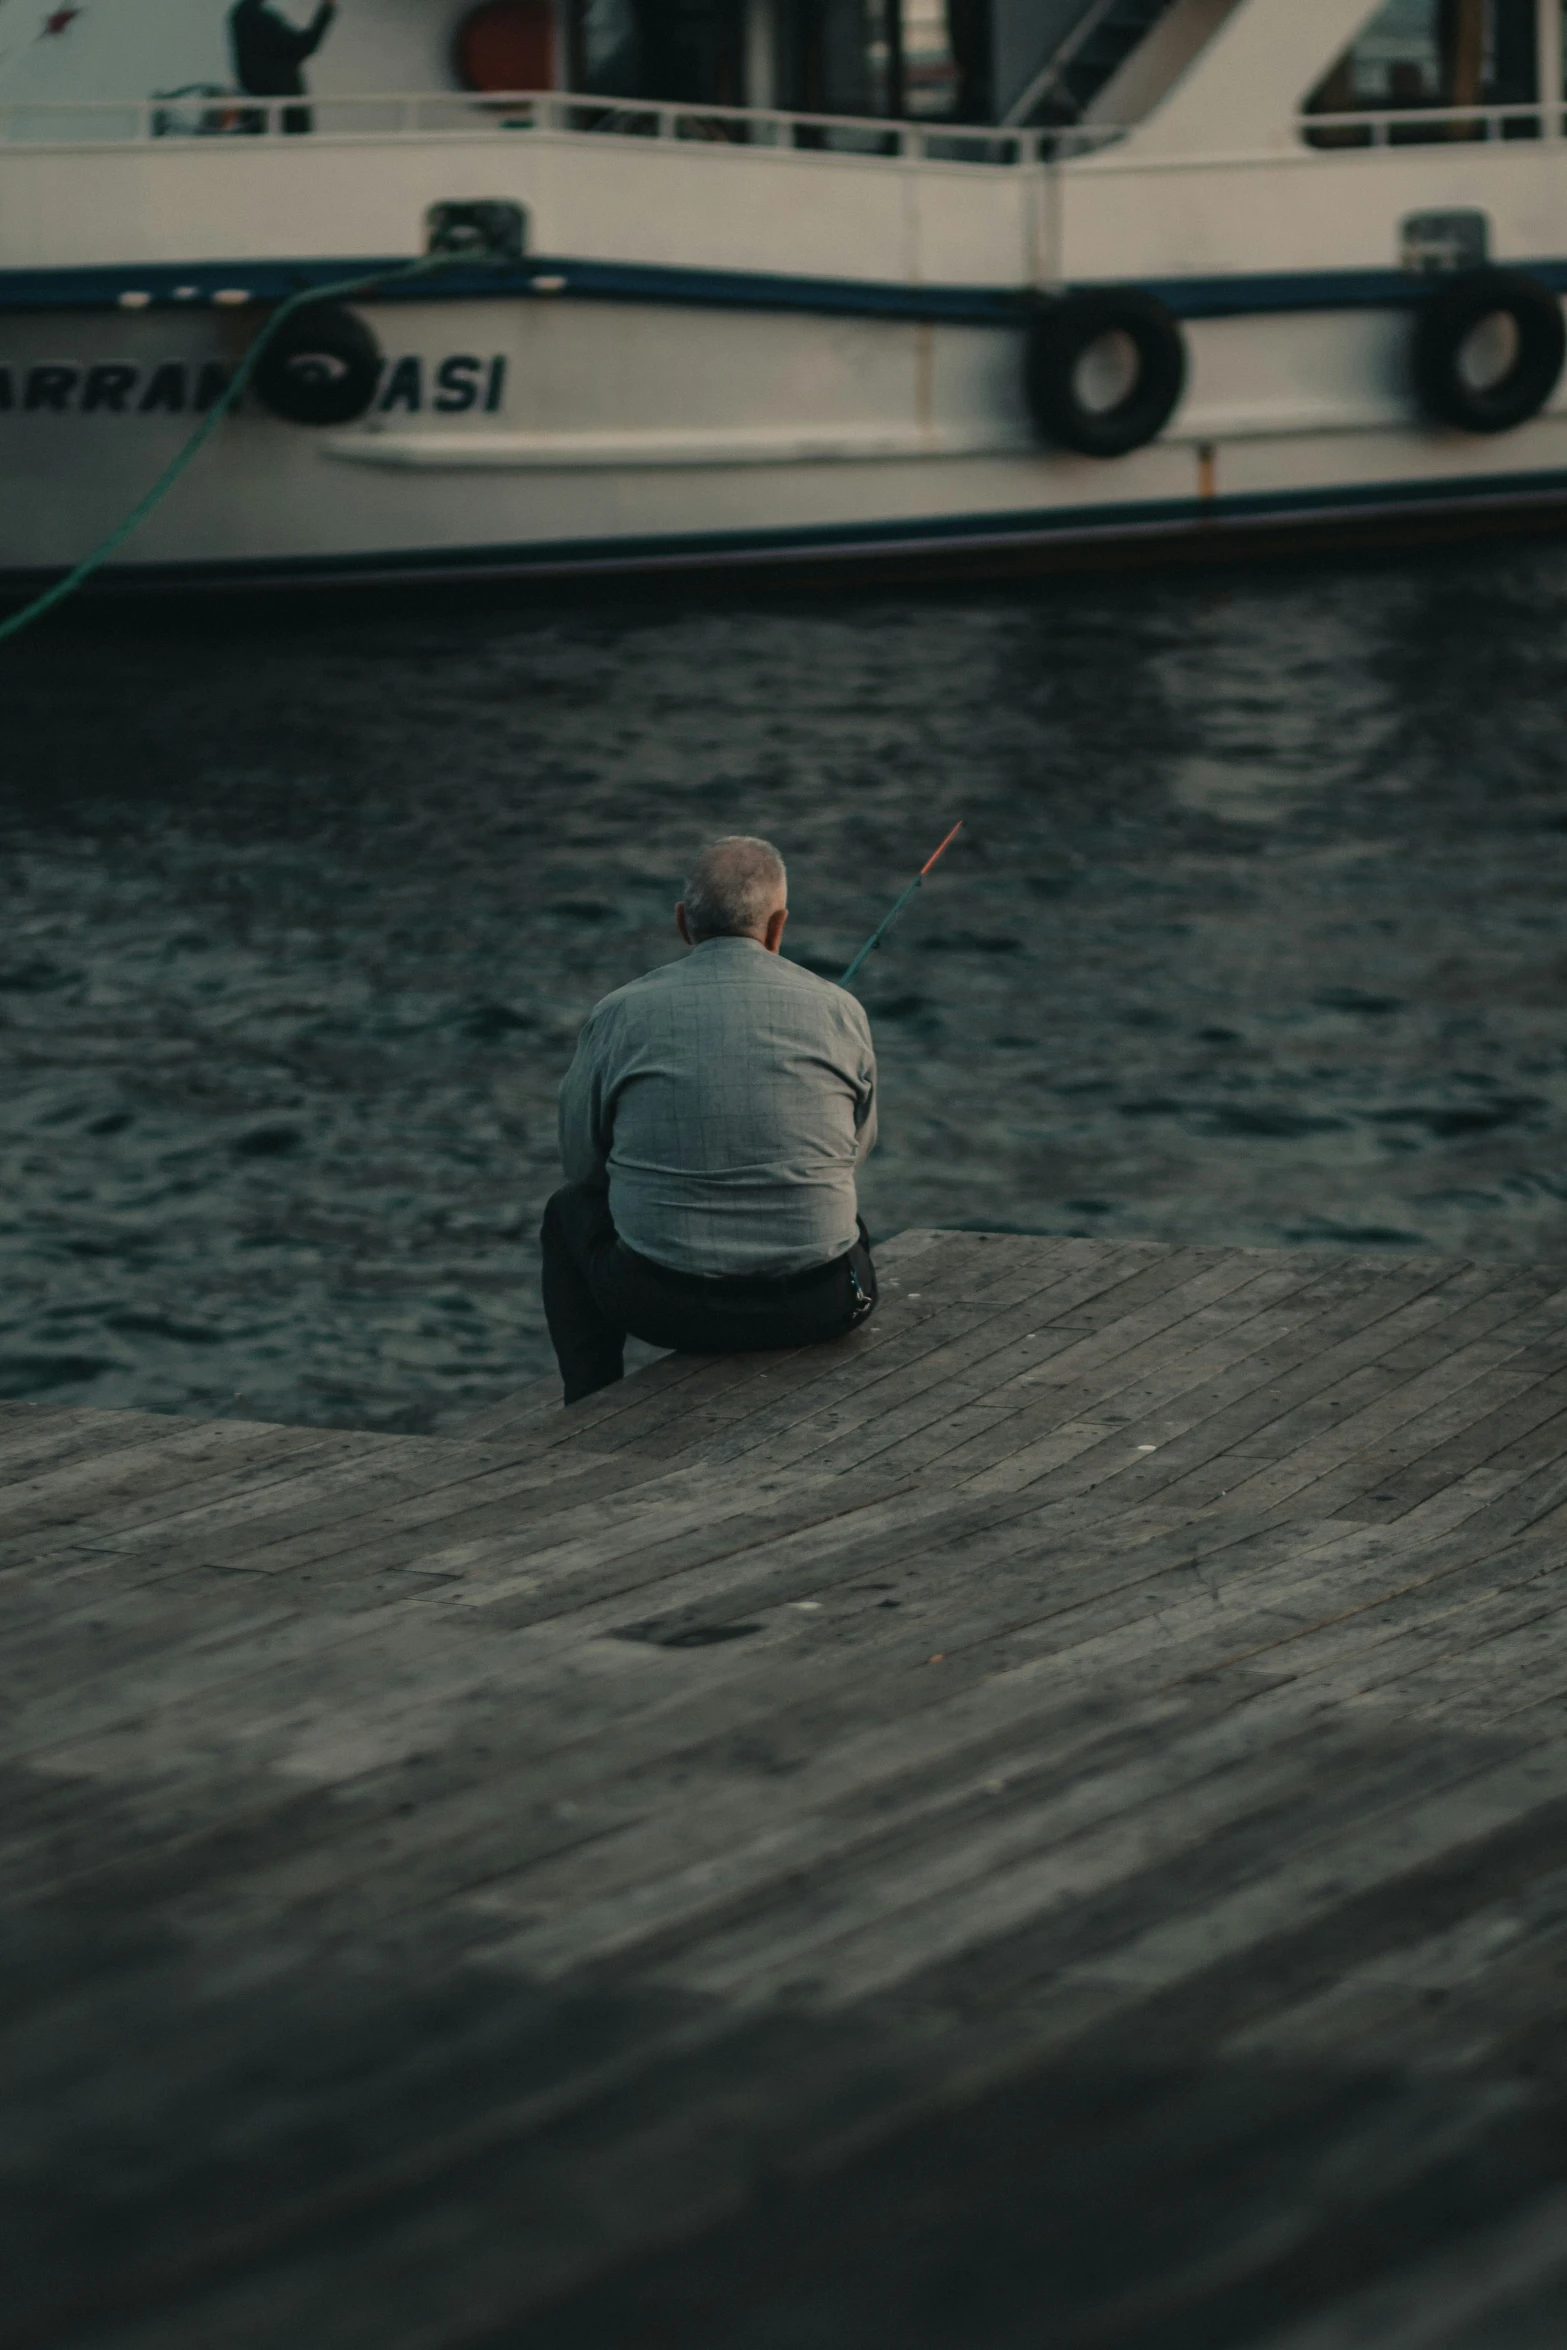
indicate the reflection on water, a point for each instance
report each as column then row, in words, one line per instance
column 1254, row 935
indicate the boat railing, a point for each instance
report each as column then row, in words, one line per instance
column 210, row 112
column 1422, row 126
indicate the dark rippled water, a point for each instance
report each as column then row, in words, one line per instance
column 1255, row 935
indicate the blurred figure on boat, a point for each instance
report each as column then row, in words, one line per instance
column 269, row 56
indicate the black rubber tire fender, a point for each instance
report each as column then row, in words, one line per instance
column 321, row 367
column 1061, row 333
column 1444, row 323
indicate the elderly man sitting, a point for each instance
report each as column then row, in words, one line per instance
column 711, row 1125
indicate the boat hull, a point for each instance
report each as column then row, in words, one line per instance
column 560, row 431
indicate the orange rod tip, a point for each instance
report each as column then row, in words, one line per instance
column 941, row 852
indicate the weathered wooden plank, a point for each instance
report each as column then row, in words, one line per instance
column 1212, row 1338
column 348, row 1508
column 1080, row 1294
column 25, row 1424
column 62, row 1441
column 1473, row 1804
column 643, row 1408
column 779, row 1395
column 684, row 1530
column 1521, row 1419
column 932, row 1424
column 521, row 1413
column 868, row 1603
column 1116, row 1403
column 1201, row 1626
column 1257, row 1456
column 1503, row 2284
column 1211, row 1651
column 166, row 1477
column 900, row 1347
column 415, row 1477
column 537, row 1688
column 1349, row 1327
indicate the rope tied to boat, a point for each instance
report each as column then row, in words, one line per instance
column 405, row 271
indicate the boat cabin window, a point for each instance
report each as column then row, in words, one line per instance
column 1423, row 60
column 944, row 59
column 926, row 58
column 682, row 52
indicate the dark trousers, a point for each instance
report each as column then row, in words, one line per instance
column 295, row 119
column 597, row 1292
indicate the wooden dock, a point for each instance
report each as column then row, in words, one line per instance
column 1043, row 1827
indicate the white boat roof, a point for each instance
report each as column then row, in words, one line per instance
column 1226, row 76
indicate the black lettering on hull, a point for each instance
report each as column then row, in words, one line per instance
column 456, row 385
column 460, row 383
column 165, row 389
column 108, row 387
column 51, row 388
column 404, row 387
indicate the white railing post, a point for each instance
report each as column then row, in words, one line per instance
column 760, row 43
column 1549, row 65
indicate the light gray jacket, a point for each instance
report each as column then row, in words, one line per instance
column 726, row 1101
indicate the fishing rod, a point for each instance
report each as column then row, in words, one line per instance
column 882, row 927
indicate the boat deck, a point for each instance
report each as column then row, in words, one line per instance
column 1045, row 1824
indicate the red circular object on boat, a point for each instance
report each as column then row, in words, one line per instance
column 507, row 45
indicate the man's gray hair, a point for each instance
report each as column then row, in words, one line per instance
column 735, row 884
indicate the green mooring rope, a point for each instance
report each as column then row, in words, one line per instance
column 213, row 418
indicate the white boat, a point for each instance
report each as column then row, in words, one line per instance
column 745, row 288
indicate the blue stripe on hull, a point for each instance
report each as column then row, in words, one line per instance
column 1035, row 531
column 191, row 285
